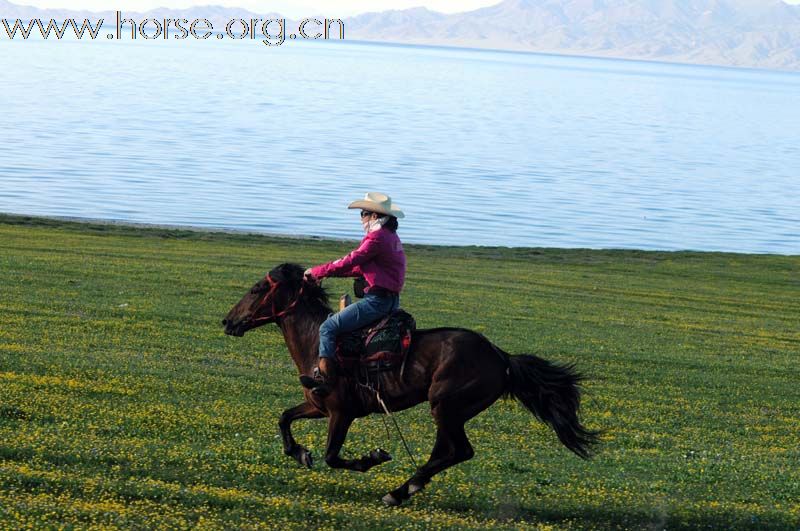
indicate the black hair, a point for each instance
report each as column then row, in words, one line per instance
column 391, row 224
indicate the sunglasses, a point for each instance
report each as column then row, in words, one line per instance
column 366, row 213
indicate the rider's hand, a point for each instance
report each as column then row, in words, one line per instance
column 309, row 277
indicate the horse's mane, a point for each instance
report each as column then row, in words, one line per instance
column 314, row 295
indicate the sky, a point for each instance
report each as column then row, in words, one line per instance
column 331, row 8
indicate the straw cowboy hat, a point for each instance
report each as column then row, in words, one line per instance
column 378, row 202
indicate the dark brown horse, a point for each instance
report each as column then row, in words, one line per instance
column 460, row 372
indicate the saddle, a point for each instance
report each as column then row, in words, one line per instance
column 378, row 347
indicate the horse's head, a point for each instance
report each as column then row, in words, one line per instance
column 269, row 299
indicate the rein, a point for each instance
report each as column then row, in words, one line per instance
column 273, row 287
column 396, row 426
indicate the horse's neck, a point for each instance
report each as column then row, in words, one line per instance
column 301, row 333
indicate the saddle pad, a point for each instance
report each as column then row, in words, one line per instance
column 385, row 335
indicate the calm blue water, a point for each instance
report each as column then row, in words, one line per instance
column 478, row 147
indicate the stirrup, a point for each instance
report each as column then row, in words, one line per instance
column 318, row 383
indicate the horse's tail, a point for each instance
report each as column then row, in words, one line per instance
column 552, row 393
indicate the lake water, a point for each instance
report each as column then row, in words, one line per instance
column 477, row 147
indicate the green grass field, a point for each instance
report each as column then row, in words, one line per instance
column 123, row 404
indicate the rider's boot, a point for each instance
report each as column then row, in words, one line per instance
column 324, row 378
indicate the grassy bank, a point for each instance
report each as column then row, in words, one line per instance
column 123, row 404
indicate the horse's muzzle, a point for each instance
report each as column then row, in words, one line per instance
column 232, row 329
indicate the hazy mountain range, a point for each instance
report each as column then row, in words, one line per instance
column 751, row 33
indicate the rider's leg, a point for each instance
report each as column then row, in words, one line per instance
column 361, row 313
column 369, row 309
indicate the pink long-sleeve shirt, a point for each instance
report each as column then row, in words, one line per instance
column 379, row 258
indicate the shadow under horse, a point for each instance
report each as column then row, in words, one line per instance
column 459, row 371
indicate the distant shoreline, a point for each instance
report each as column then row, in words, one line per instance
column 179, row 230
column 17, row 219
column 577, row 54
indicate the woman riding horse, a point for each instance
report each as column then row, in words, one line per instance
column 381, row 261
column 460, row 372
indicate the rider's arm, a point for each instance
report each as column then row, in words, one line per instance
column 348, row 266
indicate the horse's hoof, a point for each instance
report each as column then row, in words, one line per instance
column 306, row 459
column 302, row 456
column 380, row 455
column 390, row 501
column 414, row 488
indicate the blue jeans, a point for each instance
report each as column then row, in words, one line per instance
column 361, row 313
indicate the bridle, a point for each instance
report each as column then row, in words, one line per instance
column 273, row 287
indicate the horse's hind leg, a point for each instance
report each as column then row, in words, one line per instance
column 450, row 411
column 451, row 447
column 305, row 410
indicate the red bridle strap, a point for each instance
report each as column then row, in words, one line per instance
column 273, row 287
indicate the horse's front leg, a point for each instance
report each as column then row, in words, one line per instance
column 337, row 431
column 305, row 410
